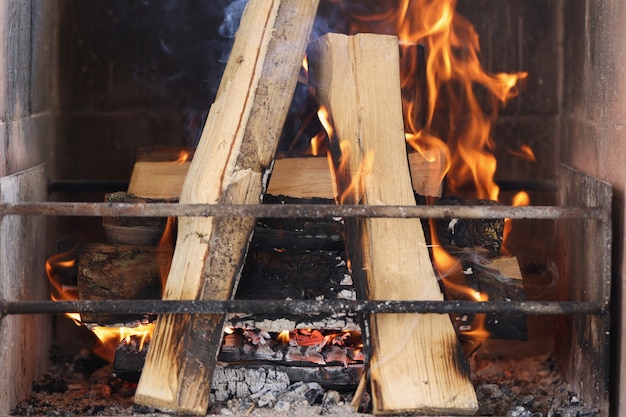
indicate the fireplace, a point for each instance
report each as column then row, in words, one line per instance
column 87, row 83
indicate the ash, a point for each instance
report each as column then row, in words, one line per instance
column 83, row 385
column 527, row 387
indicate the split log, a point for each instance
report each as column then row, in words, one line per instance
column 118, row 272
column 416, row 364
column 232, row 159
column 159, row 172
column 306, row 177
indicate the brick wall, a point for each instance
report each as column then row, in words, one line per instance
column 27, row 133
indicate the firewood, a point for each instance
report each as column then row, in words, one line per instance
column 110, row 272
column 497, row 279
column 145, row 231
column 159, row 172
column 304, row 177
column 233, row 157
column 467, row 233
column 415, row 365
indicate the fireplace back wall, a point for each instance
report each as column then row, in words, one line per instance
column 87, row 82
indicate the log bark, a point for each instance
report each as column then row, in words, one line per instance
column 145, row 231
column 233, row 157
column 122, row 272
column 416, row 364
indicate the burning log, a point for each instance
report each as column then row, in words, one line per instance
column 499, row 279
column 357, row 80
column 230, row 163
column 159, row 176
column 468, row 233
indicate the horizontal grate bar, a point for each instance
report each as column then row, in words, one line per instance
column 296, row 307
column 301, row 210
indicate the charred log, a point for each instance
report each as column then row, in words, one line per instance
column 466, row 233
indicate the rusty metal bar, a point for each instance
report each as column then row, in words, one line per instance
column 75, row 186
column 301, row 210
column 299, row 307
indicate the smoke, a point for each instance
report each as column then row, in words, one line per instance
column 232, row 18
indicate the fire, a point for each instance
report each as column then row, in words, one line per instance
column 182, row 157
column 319, row 142
column 108, row 337
column 166, row 249
column 445, row 112
column 525, row 152
column 54, row 265
column 520, row 199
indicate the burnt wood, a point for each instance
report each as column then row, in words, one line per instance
column 456, row 233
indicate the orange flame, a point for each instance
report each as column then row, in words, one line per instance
column 452, row 71
column 525, row 152
column 182, row 157
column 54, row 265
column 520, row 199
column 109, row 337
column 166, row 250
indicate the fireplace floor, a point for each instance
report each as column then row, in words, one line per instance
column 82, row 385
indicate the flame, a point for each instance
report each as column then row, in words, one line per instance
column 283, row 337
column 319, row 142
column 54, row 265
column 525, row 152
column 348, row 185
column 110, row 337
column 520, row 199
column 166, row 250
column 449, row 269
column 182, row 157
column 445, row 109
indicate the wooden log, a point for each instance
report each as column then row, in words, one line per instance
column 232, row 159
column 496, row 279
column 305, row 177
column 144, row 231
column 159, row 172
column 468, row 233
column 339, row 368
column 416, row 364
column 118, row 272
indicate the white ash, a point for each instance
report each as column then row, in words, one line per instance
column 347, row 280
column 229, row 383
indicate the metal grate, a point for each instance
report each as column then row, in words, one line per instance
column 600, row 214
